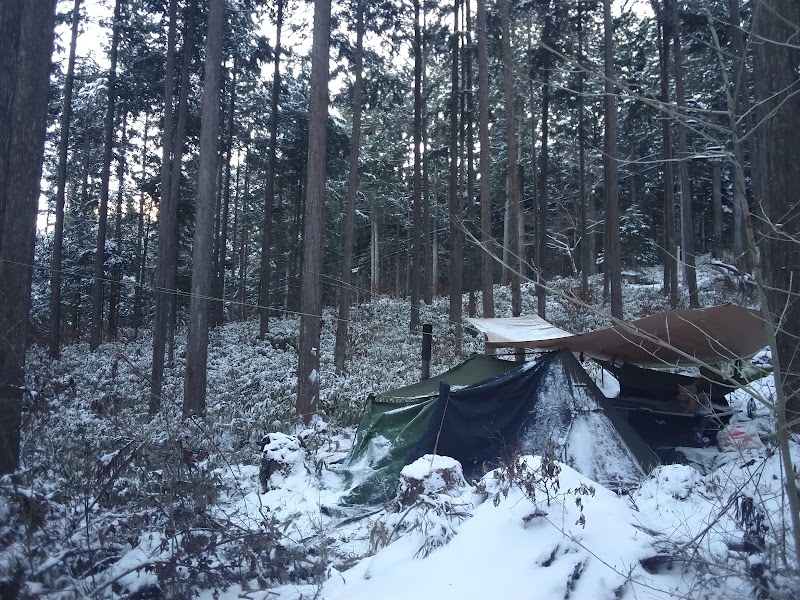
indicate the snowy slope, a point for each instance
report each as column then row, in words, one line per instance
column 93, row 513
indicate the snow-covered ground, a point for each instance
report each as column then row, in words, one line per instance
column 111, row 504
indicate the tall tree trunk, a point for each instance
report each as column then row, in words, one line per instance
column 585, row 256
column 512, row 177
column 375, row 264
column 534, row 188
column 235, row 227
column 218, row 305
column 140, row 235
column 314, row 230
column 484, row 158
column 269, row 196
column 166, row 227
column 456, row 238
column 717, row 208
column 435, row 236
column 26, row 45
column 116, row 272
column 171, row 258
column 611, row 169
column 427, row 248
column 244, row 239
column 741, row 96
column 217, row 212
column 77, row 299
column 777, row 61
column 415, row 275
column 398, row 290
column 506, row 276
column 541, row 213
column 669, row 251
column 296, row 252
column 687, row 217
column 469, row 90
column 108, row 146
column 352, row 191
column 58, row 235
column 194, row 390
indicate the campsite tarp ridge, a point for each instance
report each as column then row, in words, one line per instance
column 681, row 336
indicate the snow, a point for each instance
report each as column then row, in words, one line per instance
column 497, row 554
column 518, row 329
column 569, row 417
column 520, row 536
column 425, row 465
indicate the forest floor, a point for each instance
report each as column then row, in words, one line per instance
column 112, row 504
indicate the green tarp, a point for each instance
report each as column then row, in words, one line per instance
column 395, row 420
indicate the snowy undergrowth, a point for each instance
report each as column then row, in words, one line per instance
column 110, row 504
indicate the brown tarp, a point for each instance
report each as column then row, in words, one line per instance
column 681, row 336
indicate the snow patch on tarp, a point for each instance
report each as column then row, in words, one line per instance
column 567, row 415
column 549, row 404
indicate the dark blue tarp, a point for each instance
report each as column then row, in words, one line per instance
column 548, row 402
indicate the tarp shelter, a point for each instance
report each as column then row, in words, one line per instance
column 671, row 409
column 551, row 401
column 393, row 422
column 681, row 336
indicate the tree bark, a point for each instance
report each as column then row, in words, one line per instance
column 435, row 237
column 541, row 212
column 512, row 178
column 669, row 251
column 469, row 91
column 58, row 234
column 415, row 274
column 340, row 349
column 26, row 45
column 296, row 252
column 244, row 239
column 777, row 60
column 80, row 214
column 269, row 196
column 218, row 305
column 741, row 96
column 427, row 244
column 166, row 227
column 176, row 174
column 717, row 207
column 456, row 238
column 314, row 230
column 611, row 169
column 194, row 394
column 585, row 256
column 375, row 271
column 108, row 146
column 115, row 296
column 487, row 280
column 534, row 126
column 687, row 216
column 141, row 244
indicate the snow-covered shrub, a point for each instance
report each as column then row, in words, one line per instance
column 538, row 479
column 728, row 527
column 282, row 456
column 431, row 500
column 430, row 475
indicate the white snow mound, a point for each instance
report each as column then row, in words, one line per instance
column 576, row 545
